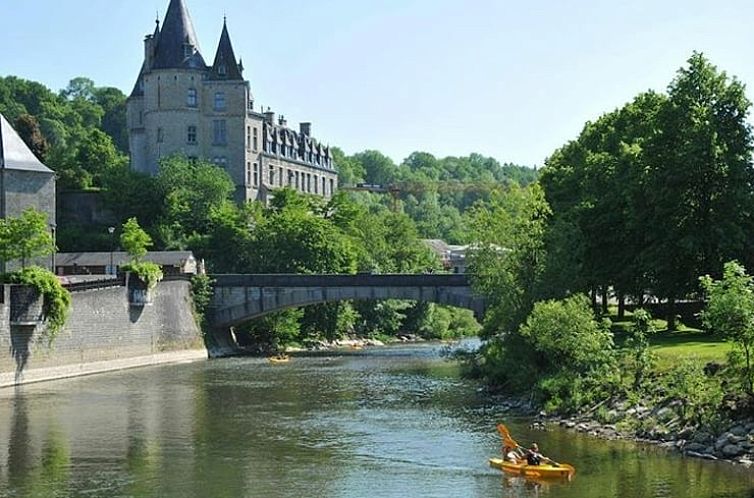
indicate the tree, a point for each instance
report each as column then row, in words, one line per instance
column 730, row 312
column 25, row 237
column 135, row 240
column 700, row 180
column 28, row 129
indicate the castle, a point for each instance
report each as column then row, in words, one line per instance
column 182, row 105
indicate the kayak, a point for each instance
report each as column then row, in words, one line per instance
column 278, row 359
column 536, row 471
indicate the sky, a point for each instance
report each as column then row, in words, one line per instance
column 513, row 80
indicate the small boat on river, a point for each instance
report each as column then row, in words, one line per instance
column 562, row 470
column 281, row 358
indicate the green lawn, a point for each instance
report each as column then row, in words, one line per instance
column 673, row 346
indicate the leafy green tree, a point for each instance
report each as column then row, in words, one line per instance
column 730, row 312
column 701, row 183
column 135, row 240
column 28, row 236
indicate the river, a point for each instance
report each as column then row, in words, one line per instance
column 383, row 422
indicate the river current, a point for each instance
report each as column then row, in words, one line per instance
column 383, row 422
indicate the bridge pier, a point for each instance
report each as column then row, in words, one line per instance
column 221, row 342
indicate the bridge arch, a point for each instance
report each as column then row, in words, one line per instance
column 240, row 298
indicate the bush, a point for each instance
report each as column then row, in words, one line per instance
column 56, row 299
column 148, row 272
column 700, row 397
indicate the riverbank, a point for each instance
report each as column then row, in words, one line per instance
column 732, row 442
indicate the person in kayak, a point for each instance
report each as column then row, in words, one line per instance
column 510, row 454
column 533, row 456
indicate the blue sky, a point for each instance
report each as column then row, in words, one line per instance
column 513, row 80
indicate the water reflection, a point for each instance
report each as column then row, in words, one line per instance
column 393, row 422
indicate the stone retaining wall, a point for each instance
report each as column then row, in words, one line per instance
column 103, row 332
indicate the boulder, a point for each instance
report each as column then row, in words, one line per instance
column 732, row 450
column 739, row 431
column 695, row 447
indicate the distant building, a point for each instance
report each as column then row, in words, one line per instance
column 98, row 263
column 180, row 104
column 452, row 257
column 24, row 181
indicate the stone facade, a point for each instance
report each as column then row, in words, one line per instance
column 103, row 332
column 182, row 105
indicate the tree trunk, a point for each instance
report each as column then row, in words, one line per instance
column 604, row 300
column 671, row 314
column 593, row 293
column 621, row 306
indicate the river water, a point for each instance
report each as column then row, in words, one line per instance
column 386, row 422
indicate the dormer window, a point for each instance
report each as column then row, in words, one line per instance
column 222, row 70
column 188, row 50
column 191, row 97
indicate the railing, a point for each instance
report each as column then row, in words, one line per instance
column 340, row 280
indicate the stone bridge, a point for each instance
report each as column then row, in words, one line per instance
column 240, row 298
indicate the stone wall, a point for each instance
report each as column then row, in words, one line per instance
column 103, row 332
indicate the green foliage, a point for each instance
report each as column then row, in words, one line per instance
column 201, row 294
column 638, row 343
column 25, row 237
column 700, row 397
column 148, row 272
column 56, row 299
column 80, row 133
column 135, row 240
column 508, row 258
column 730, row 313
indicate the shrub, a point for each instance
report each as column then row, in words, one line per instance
column 148, row 272
column 56, row 299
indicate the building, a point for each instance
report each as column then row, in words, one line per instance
column 107, row 263
column 24, row 182
column 453, row 257
column 180, row 104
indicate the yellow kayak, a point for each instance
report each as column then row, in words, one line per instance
column 563, row 470
column 278, row 359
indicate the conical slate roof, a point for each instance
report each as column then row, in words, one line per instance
column 177, row 33
column 14, row 154
column 225, row 66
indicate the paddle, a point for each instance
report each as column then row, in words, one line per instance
column 509, row 441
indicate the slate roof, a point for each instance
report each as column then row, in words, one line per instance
column 172, row 258
column 177, row 31
column 14, row 154
column 225, row 57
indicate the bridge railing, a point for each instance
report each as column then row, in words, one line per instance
column 340, row 280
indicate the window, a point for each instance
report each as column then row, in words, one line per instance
column 248, row 173
column 191, row 98
column 255, row 139
column 191, row 135
column 308, row 182
column 220, row 161
column 323, row 186
column 248, row 137
column 219, row 101
column 290, row 178
column 220, row 135
column 272, row 175
column 160, row 136
column 332, row 187
column 316, row 185
column 280, row 176
column 256, row 174
column 221, row 70
column 298, row 181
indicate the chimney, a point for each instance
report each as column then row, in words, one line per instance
column 306, row 129
column 282, row 121
column 269, row 116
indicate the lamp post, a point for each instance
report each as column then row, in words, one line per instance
column 111, row 231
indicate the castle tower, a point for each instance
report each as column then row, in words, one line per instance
column 179, row 104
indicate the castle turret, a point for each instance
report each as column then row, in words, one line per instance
column 177, row 46
column 225, row 66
